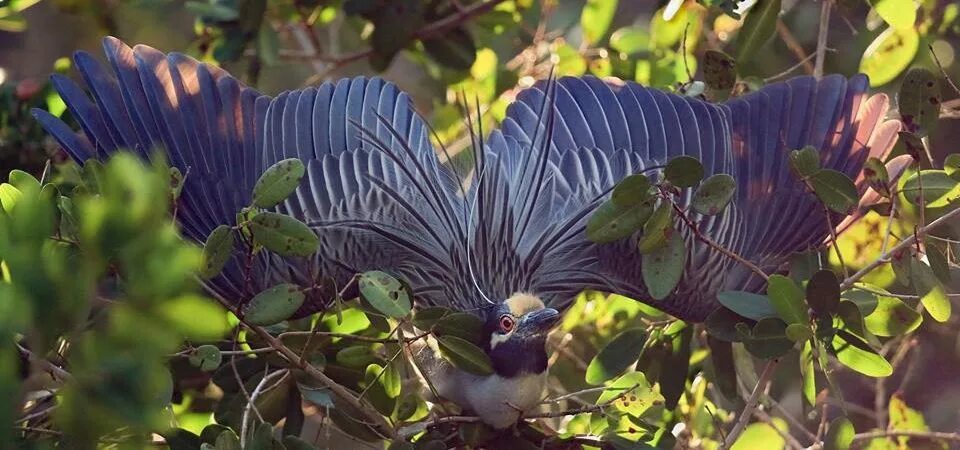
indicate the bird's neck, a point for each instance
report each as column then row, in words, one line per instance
column 517, row 358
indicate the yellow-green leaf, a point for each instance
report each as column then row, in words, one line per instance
column 889, row 54
column 619, row 354
column 283, row 235
column 277, row 182
column 385, row 293
column 274, row 304
column 595, row 19
column 216, row 251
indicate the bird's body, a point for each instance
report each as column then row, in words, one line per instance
column 379, row 198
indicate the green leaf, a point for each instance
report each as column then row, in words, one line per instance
column 196, row 317
column 747, row 304
column 228, row 440
column 658, row 229
column 684, row 171
column 569, row 61
column 615, row 357
column 856, row 354
column 631, row 191
column 425, row 318
column 835, row 190
column 464, row 355
column 768, row 339
column 385, row 293
column 892, row 317
column 283, row 235
column 666, row 32
column 757, row 28
column 889, row 54
column 823, row 293
column 840, row 434
column 662, row 268
column 465, row 326
column 609, row 223
column 356, row 356
column 875, row 172
column 724, row 372
column 9, row 195
column 639, row 396
column 206, row 357
column 805, row 161
column 799, row 332
column 762, row 435
column 455, row 49
column 902, row 264
column 377, row 386
column 787, row 299
column 808, row 373
column 919, row 100
column 595, row 19
column 719, row 70
column 217, row 251
column 931, row 292
column 951, row 165
column 274, row 305
column 713, row 195
column 939, row 189
column 630, row 40
column 897, row 13
column 277, row 182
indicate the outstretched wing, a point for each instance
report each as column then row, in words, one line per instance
column 597, row 133
column 374, row 191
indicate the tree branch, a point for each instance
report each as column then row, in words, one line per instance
column 822, row 37
column 906, row 243
column 751, row 405
column 729, row 253
column 928, row 435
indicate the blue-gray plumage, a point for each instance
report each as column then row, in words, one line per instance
column 379, row 197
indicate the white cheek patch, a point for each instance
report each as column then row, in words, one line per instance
column 497, row 339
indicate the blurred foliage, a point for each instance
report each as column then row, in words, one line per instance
column 115, row 345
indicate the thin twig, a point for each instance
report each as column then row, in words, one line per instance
column 55, row 370
column 942, row 70
column 729, row 253
column 928, row 435
column 822, row 37
column 762, row 382
column 905, row 243
column 795, row 47
column 261, row 387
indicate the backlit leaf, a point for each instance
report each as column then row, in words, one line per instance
column 892, row 317
column 889, row 54
column 919, row 100
column 856, row 354
column 897, row 13
column 840, row 434
column 636, row 396
column 630, row 40
column 931, row 291
column 595, row 19
column 619, row 354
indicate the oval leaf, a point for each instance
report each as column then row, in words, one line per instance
column 464, row 355
column 216, row 251
column 931, row 292
column 619, row 354
column 919, row 99
column 631, row 191
column 787, row 299
column 856, row 354
column 719, row 70
column 283, row 234
column 683, row 171
column 274, row 305
column 714, row 194
column 206, row 357
column 356, row 356
column 610, row 223
column 465, row 326
column 596, row 18
column 277, row 182
column 663, row 268
column 835, row 190
column 658, row 230
column 385, row 293
column 892, row 317
column 805, row 161
column 768, row 339
column 889, row 54
column 747, row 304
column 823, row 293
column 757, row 28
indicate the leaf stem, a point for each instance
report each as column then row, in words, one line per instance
column 744, row 418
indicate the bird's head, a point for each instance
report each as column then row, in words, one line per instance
column 516, row 333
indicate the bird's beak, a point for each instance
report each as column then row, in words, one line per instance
column 540, row 322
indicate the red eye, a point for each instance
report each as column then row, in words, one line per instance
column 506, row 323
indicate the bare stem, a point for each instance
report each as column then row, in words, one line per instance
column 927, row 435
column 744, row 419
column 822, row 37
